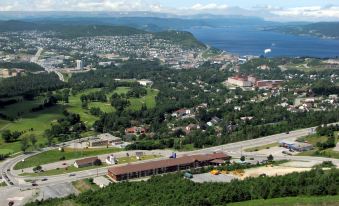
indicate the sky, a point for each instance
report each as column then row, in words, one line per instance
column 296, row 10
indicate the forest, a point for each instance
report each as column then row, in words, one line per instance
column 27, row 66
column 29, row 85
column 173, row 189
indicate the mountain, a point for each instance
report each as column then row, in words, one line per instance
column 321, row 29
column 149, row 21
column 157, row 23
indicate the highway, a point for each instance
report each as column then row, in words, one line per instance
column 233, row 149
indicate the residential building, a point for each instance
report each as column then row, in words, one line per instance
column 135, row 130
column 90, row 161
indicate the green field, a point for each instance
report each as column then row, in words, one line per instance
column 74, row 106
column 61, row 171
column 40, row 121
column 149, row 100
column 85, row 185
column 71, row 168
column 23, row 106
column 292, row 201
column 313, row 139
column 136, row 103
column 55, row 155
column 254, row 149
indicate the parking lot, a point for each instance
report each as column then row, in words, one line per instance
column 207, row 177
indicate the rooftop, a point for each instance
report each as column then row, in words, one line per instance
column 165, row 163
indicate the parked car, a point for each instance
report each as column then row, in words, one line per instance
column 44, row 179
column 34, row 184
column 71, row 175
column 287, row 153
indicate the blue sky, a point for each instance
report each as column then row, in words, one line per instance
column 295, row 10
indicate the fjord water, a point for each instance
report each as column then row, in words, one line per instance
column 251, row 40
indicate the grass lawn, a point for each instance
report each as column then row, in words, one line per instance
column 39, row 121
column 85, row 185
column 313, row 139
column 323, row 153
column 292, row 201
column 60, row 171
column 71, row 168
column 105, row 107
column 55, row 155
column 120, row 90
column 3, row 184
column 74, row 106
column 23, row 106
column 149, row 100
column 3, row 124
column 254, row 149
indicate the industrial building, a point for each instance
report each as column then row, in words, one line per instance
column 296, row 146
column 131, row 171
column 239, row 81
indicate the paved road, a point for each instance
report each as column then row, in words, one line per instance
column 234, row 149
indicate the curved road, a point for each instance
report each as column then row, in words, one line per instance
column 234, row 149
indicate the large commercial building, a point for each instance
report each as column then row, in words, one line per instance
column 239, row 81
column 80, row 64
column 131, row 171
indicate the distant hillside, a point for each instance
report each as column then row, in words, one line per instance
column 14, row 25
column 155, row 24
column 69, row 31
column 321, row 29
column 185, row 39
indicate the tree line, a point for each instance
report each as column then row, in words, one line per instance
column 173, row 189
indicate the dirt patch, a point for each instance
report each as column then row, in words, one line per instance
column 81, row 186
column 272, row 171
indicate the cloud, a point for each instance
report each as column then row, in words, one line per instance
column 269, row 12
column 313, row 12
column 202, row 7
column 77, row 5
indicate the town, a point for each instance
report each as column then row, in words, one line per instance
column 90, row 109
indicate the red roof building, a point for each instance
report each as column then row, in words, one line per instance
column 131, row 171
